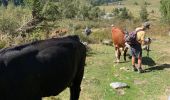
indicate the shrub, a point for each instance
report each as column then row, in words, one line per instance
column 146, row 3
column 8, row 25
column 13, row 17
column 37, row 35
column 51, row 12
column 2, row 44
column 144, row 13
column 122, row 13
column 135, row 3
column 165, row 10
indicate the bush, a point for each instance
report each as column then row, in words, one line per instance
column 13, row 17
column 122, row 13
column 135, row 3
column 8, row 25
column 2, row 44
column 51, row 12
column 146, row 3
column 144, row 13
column 165, row 10
column 37, row 35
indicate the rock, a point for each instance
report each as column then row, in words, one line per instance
column 118, row 85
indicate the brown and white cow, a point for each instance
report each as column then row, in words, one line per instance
column 118, row 38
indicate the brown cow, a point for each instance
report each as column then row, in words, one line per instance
column 118, row 38
column 59, row 32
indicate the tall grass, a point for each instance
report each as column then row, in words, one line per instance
column 13, row 17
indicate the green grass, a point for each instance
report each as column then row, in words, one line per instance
column 101, row 70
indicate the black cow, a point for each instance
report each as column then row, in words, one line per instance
column 43, row 68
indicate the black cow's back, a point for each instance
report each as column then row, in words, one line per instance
column 41, row 68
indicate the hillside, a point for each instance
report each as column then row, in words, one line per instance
column 134, row 9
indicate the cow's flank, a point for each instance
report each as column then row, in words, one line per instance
column 43, row 68
column 118, row 38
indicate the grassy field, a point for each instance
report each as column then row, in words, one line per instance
column 101, row 70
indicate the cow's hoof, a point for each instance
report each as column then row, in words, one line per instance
column 117, row 61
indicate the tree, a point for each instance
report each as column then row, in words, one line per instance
column 37, row 8
column 165, row 10
column 5, row 3
column 51, row 11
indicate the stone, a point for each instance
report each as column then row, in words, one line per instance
column 118, row 85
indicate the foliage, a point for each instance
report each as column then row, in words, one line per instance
column 68, row 8
column 84, row 11
column 115, row 11
column 100, row 2
column 122, row 13
column 12, row 18
column 37, row 8
column 36, row 35
column 51, row 12
column 2, row 44
column 94, row 13
column 143, row 13
column 135, row 3
column 8, row 25
column 18, row 2
column 65, row 9
column 165, row 10
column 146, row 3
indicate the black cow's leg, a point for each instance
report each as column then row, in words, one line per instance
column 119, row 54
column 75, row 87
column 74, row 92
